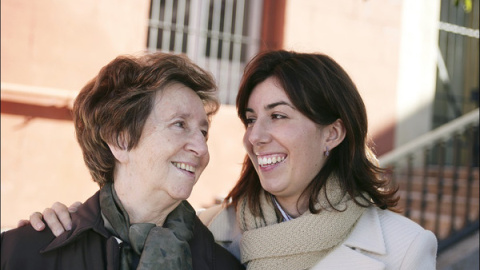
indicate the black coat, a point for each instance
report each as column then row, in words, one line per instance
column 90, row 246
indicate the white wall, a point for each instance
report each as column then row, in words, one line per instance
column 417, row 70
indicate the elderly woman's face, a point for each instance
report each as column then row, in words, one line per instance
column 172, row 151
column 285, row 146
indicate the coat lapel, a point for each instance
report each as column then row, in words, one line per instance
column 366, row 236
column 345, row 258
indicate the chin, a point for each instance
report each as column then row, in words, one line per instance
column 272, row 189
column 182, row 194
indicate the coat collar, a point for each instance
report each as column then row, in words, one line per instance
column 88, row 216
column 367, row 236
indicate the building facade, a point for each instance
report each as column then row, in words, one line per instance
column 51, row 48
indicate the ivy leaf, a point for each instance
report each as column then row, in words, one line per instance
column 467, row 6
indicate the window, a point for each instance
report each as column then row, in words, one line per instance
column 218, row 35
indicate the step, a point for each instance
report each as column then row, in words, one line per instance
column 434, row 170
column 431, row 203
column 445, row 223
column 433, row 185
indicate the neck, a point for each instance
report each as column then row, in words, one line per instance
column 142, row 207
column 290, row 206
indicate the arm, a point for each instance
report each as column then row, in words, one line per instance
column 57, row 218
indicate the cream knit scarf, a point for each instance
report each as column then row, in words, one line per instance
column 299, row 243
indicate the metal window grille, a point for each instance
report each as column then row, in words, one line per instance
column 218, row 35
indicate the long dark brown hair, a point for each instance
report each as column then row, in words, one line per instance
column 322, row 91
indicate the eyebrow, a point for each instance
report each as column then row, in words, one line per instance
column 272, row 105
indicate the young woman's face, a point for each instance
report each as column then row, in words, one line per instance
column 172, row 151
column 286, row 148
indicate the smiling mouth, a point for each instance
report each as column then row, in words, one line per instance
column 185, row 167
column 264, row 161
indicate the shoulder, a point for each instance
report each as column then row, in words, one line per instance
column 222, row 222
column 207, row 215
column 399, row 240
column 392, row 224
column 207, row 254
column 398, row 228
column 395, row 220
column 21, row 247
column 83, row 247
column 417, row 245
column 27, row 237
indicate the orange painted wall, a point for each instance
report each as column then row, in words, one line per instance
column 62, row 44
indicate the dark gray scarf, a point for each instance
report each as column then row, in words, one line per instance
column 145, row 245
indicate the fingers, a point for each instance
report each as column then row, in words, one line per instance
column 36, row 221
column 74, row 207
column 53, row 221
column 23, row 222
column 58, row 218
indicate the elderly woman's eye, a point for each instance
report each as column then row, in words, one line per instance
column 180, row 124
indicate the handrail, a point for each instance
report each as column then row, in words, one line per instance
column 429, row 138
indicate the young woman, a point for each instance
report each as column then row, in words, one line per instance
column 311, row 194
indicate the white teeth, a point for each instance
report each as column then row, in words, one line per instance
column 184, row 166
column 270, row 160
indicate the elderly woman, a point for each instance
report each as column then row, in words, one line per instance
column 142, row 124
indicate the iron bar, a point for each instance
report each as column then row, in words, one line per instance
column 440, row 179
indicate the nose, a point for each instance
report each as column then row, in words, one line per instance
column 197, row 144
column 258, row 133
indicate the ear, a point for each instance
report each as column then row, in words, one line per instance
column 335, row 134
column 119, row 151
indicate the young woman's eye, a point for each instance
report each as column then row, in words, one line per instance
column 278, row 116
column 249, row 121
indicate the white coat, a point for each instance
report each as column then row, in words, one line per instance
column 381, row 239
